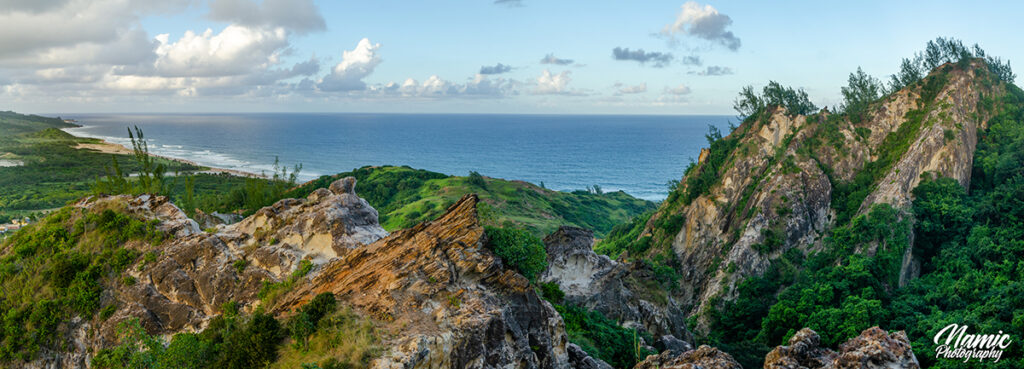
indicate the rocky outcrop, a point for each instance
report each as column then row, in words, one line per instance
column 620, row 290
column 181, row 284
column 451, row 298
column 873, row 348
column 704, row 357
column 773, row 193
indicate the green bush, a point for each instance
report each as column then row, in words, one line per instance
column 519, row 249
column 601, row 337
column 552, row 292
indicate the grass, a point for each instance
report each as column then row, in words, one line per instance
column 404, row 197
column 343, row 340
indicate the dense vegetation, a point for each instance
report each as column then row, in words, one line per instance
column 969, row 242
column 599, row 336
column 319, row 335
column 970, row 245
column 404, row 197
column 55, row 270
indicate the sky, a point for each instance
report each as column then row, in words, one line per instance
column 486, row 56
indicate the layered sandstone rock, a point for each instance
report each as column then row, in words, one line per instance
column 454, row 303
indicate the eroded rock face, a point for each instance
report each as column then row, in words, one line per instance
column 448, row 295
column 184, row 282
column 619, row 290
column 873, row 348
column 772, row 196
column 704, row 357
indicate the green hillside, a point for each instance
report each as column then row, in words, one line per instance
column 404, row 196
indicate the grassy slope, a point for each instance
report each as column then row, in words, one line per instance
column 406, row 196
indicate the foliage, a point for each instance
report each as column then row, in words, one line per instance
column 519, row 249
column 946, row 50
column 601, row 337
column 332, row 337
column 404, row 197
column 838, row 291
column 861, row 91
column 750, row 104
column 54, row 270
column 552, row 292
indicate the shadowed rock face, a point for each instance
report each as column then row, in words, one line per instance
column 613, row 288
column 873, row 348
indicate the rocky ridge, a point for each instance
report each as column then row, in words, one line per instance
column 773, row 194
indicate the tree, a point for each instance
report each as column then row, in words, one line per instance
column 861, row 91
column 748, row 103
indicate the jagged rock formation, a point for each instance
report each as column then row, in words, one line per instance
column 873, row 348
column 773, row 195
column 704, row 357
column 619, row 290
column 457, row 306
column 446, row 300
column 181, row 284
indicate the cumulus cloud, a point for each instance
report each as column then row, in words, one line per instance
column 714, row 70
column 624, row 89
column 553, row 84
column 98, row 50
column 71, row 23
column 657, row 59
column 704, row 22
column 551, row 59
column 354, row 66
column 679, row 90
column 496, row 69
column 480, row 86
column 235, row 50
column 295, row 15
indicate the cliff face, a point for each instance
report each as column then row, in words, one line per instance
column 775, row 189
column 622, row 291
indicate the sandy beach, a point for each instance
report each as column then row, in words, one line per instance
column 113, row 148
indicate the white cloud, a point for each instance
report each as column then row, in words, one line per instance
column 552, row 84
column 624, row 89
column 479, row 86
column 354, row 66
column 236, row 50
column 703, row 22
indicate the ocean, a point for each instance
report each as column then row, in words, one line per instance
column 635, row 154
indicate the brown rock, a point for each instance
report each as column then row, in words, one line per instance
column 704, row 357
column 872, row 349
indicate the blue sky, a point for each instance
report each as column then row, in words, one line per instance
column 426, row 56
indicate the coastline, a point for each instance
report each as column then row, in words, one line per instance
column 107, row 147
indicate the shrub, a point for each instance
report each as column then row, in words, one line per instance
column 519, row 249
column 552, row 292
